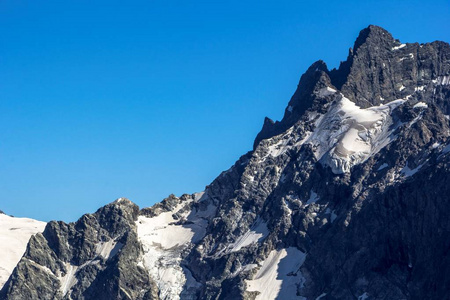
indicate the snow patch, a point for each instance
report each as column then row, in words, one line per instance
column 399, row 47
column 363, row 297
column 435, row 145
column 279, row 275
column 407, row 171
column 333, row 216
column 445, row 80
column 199, row 196
column 446, row 149
column 312, row 198
column 417, row 118
column 420, row 105
column 254, row 235
column 118, row 200
column 385, row 165
column 283, row 143
column 406, row 57
column 327, row 91
column 191, row 283
column 14, row 236
column 321, row 296
column 442, row 80
column 69, row 279
column 278, row 148
column 419, row 88
column 108, row 249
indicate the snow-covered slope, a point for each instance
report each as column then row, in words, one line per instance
column 14, row 236
column 347, row 134
column 279, row 275
column 166, row 237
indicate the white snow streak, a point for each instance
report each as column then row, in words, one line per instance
column 279, row 275
column 407, row 171
column 420, row 105
column 326, row 92
column 399, row 47
column 385, row 165
column 446, row 149
column 254, row 235
column 321, row 296
column 363, row 297
column 442, row 80
column 68, row 280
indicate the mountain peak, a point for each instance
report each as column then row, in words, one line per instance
column 373, row 35
column 366, row 77
column 122, row 200
column 314, row 78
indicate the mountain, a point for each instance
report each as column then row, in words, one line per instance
column 345, row 198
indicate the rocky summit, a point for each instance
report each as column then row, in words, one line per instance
column 347, row 197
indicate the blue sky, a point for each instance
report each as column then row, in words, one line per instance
column 141, row 99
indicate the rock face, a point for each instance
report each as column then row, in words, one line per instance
column 345, row 198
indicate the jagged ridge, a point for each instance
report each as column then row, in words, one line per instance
column 344, row 198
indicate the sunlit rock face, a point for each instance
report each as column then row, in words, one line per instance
column 345, row 198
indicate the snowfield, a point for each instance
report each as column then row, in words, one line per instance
column 14, row 236
column 348, row 135
column 164, row 239
column 279, row 276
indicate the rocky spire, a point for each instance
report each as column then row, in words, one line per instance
column 373, row 37
column 314, row 79
column 369, row 40
column 380, row 69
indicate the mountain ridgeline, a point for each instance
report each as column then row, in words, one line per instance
column 347, row 197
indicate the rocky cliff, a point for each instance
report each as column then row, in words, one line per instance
column 345, row 198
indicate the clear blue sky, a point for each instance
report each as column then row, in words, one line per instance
column 140, row 99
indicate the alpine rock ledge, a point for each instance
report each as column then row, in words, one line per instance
column 347, row 197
